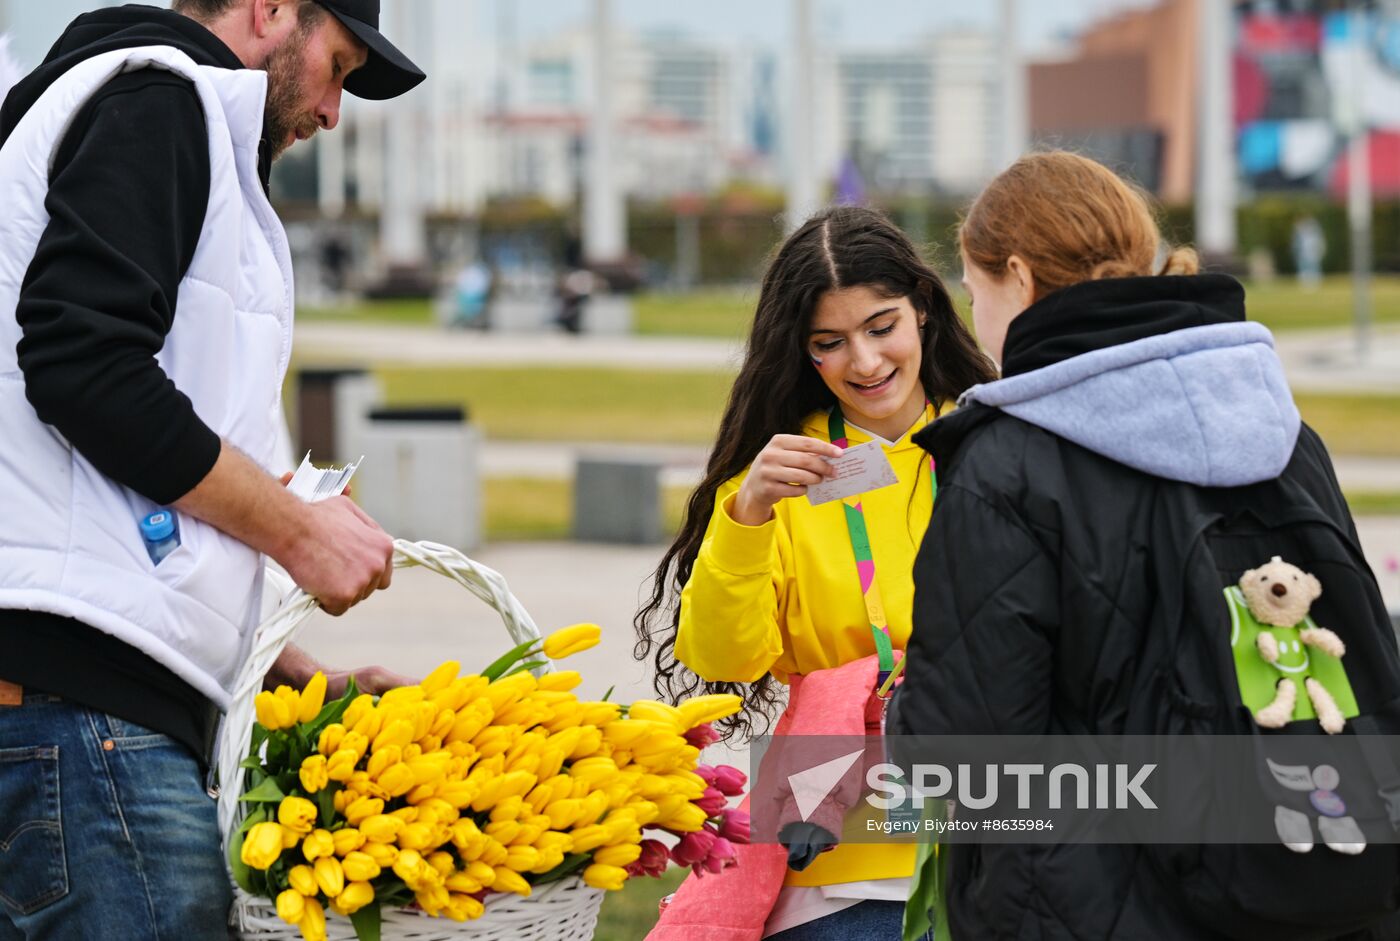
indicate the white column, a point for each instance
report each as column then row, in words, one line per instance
column 604, row 210
column 1359, row 189
column 804, row 185
column 1015, row 129
column 402, row 229
column 1215, row 190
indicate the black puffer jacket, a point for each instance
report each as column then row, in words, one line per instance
column 1033, row 588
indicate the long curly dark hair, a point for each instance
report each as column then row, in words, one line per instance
column 777, row 388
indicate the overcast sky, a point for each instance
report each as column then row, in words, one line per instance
column 868, row 23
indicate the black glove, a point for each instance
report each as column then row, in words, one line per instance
column 804, row 841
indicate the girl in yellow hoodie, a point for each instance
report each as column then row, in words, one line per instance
column 854, row 340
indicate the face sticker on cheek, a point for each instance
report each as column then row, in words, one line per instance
column 816, row 361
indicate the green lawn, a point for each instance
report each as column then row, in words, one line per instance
column 409, row 312
column 526, row 508
column 1354, row 424
column 1364, row 503
column 712, row 312
column 572, row 404
column 724, row 314
column 629, row 914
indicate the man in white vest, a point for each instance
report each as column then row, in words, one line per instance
column 140, row 398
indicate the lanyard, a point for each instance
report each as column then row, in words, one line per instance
column 865, row 559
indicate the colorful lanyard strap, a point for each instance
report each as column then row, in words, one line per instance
column 865, row 559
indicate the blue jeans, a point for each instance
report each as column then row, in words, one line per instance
column 864, row 921
column 106, row 831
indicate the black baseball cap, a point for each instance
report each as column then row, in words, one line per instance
column 387, row 73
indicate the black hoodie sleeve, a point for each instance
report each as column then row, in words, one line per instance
column 127, row 198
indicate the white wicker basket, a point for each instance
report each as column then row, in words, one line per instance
column 563, row 911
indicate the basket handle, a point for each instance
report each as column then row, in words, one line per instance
column 273, row 634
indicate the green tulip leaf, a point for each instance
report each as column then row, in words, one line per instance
column 527, row 665
column 325, row 803
column 241, row 873
column 266, row 792
column 498, row 669
column 367, row 922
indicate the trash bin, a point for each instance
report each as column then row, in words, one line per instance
column 331, row 409
column 617, row 498
column 421, row 478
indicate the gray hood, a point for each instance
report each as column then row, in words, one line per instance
column 1206, row 405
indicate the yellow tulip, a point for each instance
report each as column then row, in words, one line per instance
column 402, row 696
column 381, row 828
column 360, row 867
column 341, row 765
column 318, row 843
column 399, row 732
column 330, row 876
column 272, row 712
column 291, row 700
column 621, row 854
column 331, row 736
column 647, row 812
column 356, row 742
column 397, row 780
column 462, row 907
column 313, row 922
column 291, row 905
column 382, row 759
column 359, row 706
column 505, row 692
column 409, row 866
column 363, row 808
column 608, row 878
column 416, row 836
column 463, row 883
column 385, row 854
column 262, row 846
column 564, row 813
column 600, row 713
column 347, row 841
column 303, row 880
column 563, row 680
column 355, row 897
column 687, row 819
column 590, row 837
column 522, row 858
column 369, row 724
column 657, row 712
column 549, row 859
column 709, row 708
column 492, row 852
column 314, row 773
column 508, row 880
column 313, row 697
column 568, row 641
column 297, row 814
column 441, row 677
column 503, row 831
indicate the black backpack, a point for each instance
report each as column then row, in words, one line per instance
column 1253, row 891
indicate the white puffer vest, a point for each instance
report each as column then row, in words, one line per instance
column 69, row 539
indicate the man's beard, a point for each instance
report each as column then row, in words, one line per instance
column 283, row 113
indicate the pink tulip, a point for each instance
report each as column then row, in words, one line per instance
column 711, row 802
column 1392, row 564
column 720, row 858
column 693, row 848
column 702, row 735
column 707, row 772
column 734, row 825
column 729, row 780
column 652, row 862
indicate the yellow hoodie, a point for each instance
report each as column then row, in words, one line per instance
column 784, row 597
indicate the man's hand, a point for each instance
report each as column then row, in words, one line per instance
column 332, row 549
column 340, row 556
column 295, row 667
